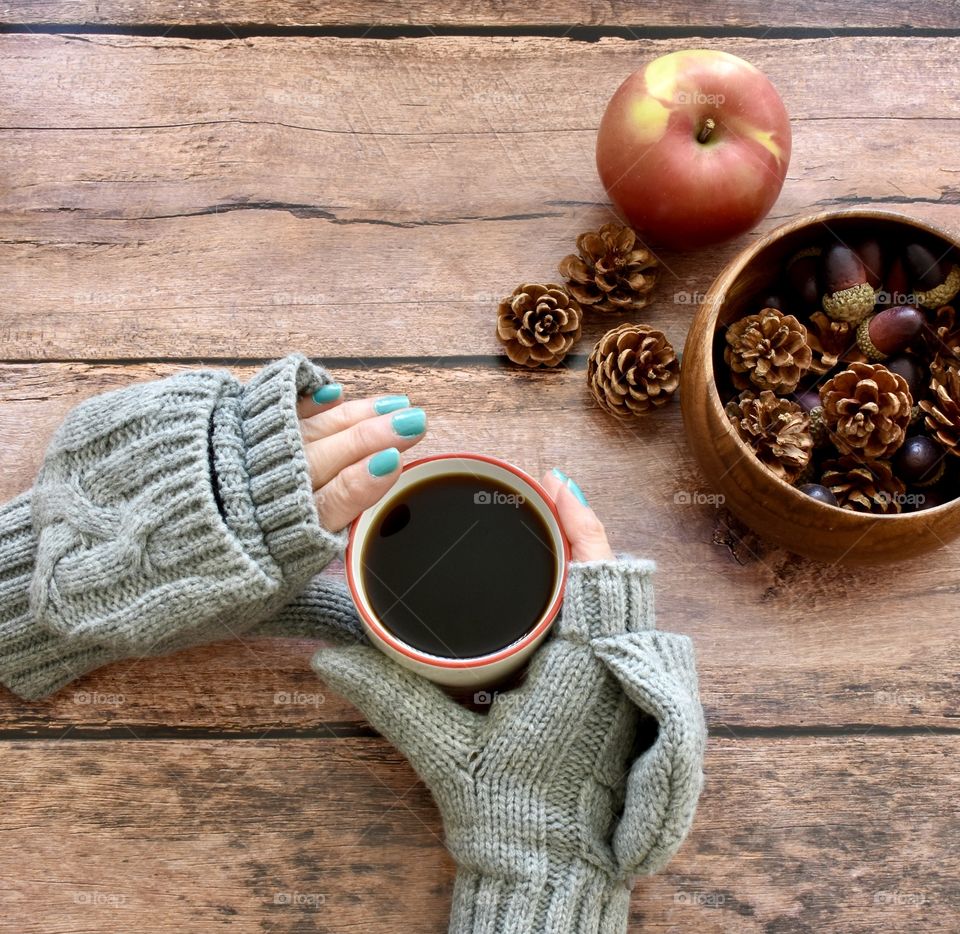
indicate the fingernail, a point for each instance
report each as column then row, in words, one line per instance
column 327, row 393
column 410, row 422
column 571, row 485
column 384, row 462
column 573, row 488
column 390, row 404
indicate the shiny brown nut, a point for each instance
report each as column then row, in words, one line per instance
column 803, row 277
column 935, row 279
column 819, row 492
column 849, row 297
column 870, row 253
column 916, row 375
column 887, row 333
column 920, row 461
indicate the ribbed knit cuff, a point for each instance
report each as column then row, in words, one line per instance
column 604, row 598
column 580, row 899
column 263, row 474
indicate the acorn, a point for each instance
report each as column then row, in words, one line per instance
column 897, row 287
column 881, row 335
column 819, row 492
column 849, row 297
column 936, row 281
column 920, row 461
column 916, row 375
column 803, row 274
column 773, row 300
column 930, row 498
column 809, row 401
column 870, row 254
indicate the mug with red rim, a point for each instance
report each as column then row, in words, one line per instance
column 482, row 670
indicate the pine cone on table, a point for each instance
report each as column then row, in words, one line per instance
column 864, row 485
column 768, row 350
column 538, row 324
column 632, row 369
column 866, row 409
column 613, row 271
column 777, row 430
column 943, row 410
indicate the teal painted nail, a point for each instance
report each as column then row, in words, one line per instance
column 559, row 474
column 327, row 393
column 390, row 404
column 410, row 422
column 384, row 462
column 573, row 488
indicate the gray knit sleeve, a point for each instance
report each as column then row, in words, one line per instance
column 166, row 514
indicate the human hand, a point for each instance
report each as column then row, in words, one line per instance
column 353, row 448
column 584, row 531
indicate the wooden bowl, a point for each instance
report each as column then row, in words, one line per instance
column 757, row 497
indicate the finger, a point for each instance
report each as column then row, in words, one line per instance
column 584, row 531
column 340, row 417
column 325, row 397
column 328, row 456
column 357, row 487
column 434, row 732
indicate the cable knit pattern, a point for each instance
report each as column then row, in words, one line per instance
column 166, row 514
column 547, row 817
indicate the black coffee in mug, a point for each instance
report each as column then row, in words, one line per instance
column 459, row 566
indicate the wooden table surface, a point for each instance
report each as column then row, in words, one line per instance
column 184, row 184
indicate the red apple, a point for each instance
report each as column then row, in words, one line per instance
column 693, row 148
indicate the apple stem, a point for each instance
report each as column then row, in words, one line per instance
column 708, row 127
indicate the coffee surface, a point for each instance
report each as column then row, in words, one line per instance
column 459, row 566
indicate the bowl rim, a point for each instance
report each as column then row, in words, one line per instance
column 475, row 661
column 713, row 301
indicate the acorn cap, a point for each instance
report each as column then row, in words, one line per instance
column 864, row 342
column 851, row 304
column 943, row 293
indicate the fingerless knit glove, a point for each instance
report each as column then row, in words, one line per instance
column 166, row 514
column 547, row 812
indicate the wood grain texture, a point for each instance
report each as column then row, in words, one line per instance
column 340, row 837
column 781, row 641
column 486, row 13
column 236, row 198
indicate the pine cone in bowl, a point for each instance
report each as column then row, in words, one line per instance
column 943, row 410
column 866, row 409
column 863, row 485
column 768, row 350
column 777, row 430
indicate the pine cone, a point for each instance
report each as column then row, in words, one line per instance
column 768, row 350
column 829, row 340
column 942, row 337
column 777, row 429
column 632, row 369
column 538, row 324
column 613, row 271
column 943, row 411
column 863, row 485
column 867, row 410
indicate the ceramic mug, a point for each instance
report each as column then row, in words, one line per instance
column 483, row 670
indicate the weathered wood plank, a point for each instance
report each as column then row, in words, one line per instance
column 304, row 835
column 221, row 215
column 711, row 13
column 780, row 640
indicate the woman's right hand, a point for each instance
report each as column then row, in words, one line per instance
column 353, row 448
